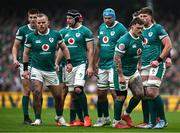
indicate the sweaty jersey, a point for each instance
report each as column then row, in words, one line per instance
column 153, row 45
column 43, row 48
column 108, row 37
column 76, row 40
column 131, row 50
column 21, row 35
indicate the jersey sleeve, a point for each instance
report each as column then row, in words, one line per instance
column 88, row 35
column 121, row 47
column 161, row 32
column 59, row 37
column 122, row 29
column 19, row 34
column 28, row 42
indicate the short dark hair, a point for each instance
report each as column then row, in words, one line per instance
column 146, row 10
column 136, row 21
column 33, row 11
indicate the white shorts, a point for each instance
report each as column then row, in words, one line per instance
column 21, row 71
column 105, row 79
column 128, row 78
column 48, row 78
column 76, row 77
column 152, row 77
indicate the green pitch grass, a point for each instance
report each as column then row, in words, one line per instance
column 11, row 121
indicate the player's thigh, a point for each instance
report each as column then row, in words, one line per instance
column 102, row 81
column 156, row 76
column 50, row 78
column 136, row 86
column 117, row 86
column 79, row 79
column 110, row 79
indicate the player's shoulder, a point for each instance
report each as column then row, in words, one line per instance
column 124, row 38
column 157, row 26
column 85, row 28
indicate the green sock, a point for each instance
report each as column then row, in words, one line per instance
column 59, row 113
column 72, row 114
column 153, row 111
column 38, row 116
column 118, row 109
column 145, row 109
column 160, row 107
column 105, row 108
column 132, row 104
column 99, row 109
column 78, row 109
column 83, row 100
column 25, row 103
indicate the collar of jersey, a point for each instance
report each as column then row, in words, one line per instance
column 29, row 26
column 76, row 28
column 148, row 27
column 112, row 25
column 135, row 38
column 45, row 33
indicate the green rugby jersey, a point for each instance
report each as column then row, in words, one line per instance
column 43, row 48
column 108, row 37
column 153, row 45
column 76, row 39
column 21, row 35
column 131, row 49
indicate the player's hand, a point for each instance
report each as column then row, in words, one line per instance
column 16, row 64
column 168, row 62
column 26, row 74
column 69, row 67
column 96, row 70
column 89, row 72
column 57, row 67
column 122, row 79
column 154, row 63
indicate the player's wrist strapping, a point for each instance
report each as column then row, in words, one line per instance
column 68, row 61
column 25, row 66
column 159, row 59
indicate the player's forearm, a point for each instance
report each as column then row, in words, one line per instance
column 58, row 57
column 167, row 47
column 96, row 56
column 66, row 53
column 26, row 55
column 90, row 57
column 118, row 64
column 14, row 53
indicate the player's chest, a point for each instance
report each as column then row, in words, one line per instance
column 107, row 36
column 135, row 48
column 44, row 43
column 74, row 37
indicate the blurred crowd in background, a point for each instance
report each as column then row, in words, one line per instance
column 10, row 22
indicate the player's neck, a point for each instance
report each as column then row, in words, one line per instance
column 148, row 25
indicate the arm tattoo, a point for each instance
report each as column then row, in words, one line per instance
column 118, row 64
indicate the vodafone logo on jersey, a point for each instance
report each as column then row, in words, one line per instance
column 45, row 47
column 71, row 40
column 139, row 51
column 105, row 39
column 145, row 41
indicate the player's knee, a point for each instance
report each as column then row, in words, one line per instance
column 36, row 92
column 78, row 89
column 138, row 94
column 152, row 93
column 121, row 95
